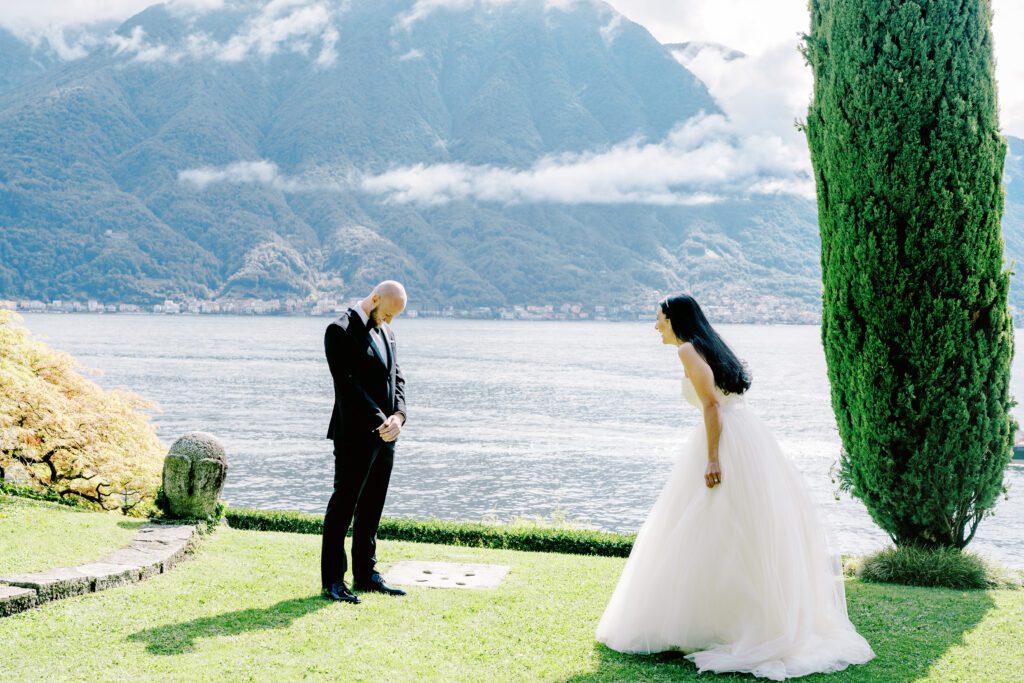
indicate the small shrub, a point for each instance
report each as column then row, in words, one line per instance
column 941, row 567
column 161, row 508
column 443, row 532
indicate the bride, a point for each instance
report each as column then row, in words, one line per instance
column 732, row 564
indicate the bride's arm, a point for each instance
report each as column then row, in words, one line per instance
column 703, row 380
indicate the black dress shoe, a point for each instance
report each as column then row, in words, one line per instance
column 375, row 584
column 339, row 592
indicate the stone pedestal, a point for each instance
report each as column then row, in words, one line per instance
column 194, row 474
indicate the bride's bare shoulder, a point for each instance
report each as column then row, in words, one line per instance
column 687, row 351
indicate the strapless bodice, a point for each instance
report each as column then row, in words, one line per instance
column 724, row 400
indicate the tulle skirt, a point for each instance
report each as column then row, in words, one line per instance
column 741, row 576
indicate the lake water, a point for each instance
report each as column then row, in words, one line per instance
column 506, row 418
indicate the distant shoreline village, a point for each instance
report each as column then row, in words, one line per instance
column 752, row 310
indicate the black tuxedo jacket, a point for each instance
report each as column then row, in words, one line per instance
column 367, row 388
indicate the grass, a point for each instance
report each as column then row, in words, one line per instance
column 36, row 535
column 247, row 608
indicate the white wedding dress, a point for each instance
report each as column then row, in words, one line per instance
column 740, row 576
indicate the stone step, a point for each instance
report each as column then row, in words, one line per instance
column 154, row 550
column 14, row 599
column 53, row 584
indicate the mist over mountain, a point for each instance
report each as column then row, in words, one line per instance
column 20, row 62
column 685, row 52
column 507, row 153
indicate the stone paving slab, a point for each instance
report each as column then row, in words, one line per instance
column 446, row 574
column 155, row 549
column 165, row 533
column 147, row 563
column 53, row 584
column 14, row 599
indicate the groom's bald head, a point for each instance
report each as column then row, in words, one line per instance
column 391, row 289
column 387, row 301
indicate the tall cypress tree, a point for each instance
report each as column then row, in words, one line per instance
column 908, row 160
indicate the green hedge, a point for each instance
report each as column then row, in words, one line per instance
column 472, row 534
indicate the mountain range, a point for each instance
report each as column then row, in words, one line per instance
column 311, row 149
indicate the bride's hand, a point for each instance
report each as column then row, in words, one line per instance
column 712, row 474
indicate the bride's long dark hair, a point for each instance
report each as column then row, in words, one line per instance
column 689, row 324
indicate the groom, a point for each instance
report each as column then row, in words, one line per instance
column 369, row 412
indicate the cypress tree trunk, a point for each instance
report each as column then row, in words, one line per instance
column 908, row 159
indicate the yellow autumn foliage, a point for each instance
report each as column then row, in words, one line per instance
column 61, row 432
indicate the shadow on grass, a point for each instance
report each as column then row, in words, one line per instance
column 909, row 629
column 616, row 666
column 176, row 639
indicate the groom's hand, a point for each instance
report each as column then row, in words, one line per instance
column 391, row 428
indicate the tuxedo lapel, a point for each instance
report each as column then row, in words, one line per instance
column 389, row 342
column 375, row 345
column 365, row 333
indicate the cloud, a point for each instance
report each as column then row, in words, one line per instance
column 702, row 161
column 421, row 9
column 268, row 174
column 757, row 27
column 239, row 173
column 411, row 54
column 766, row 91
column 40, row 17
column 747, row 25
column 280, row 26
column 610, row 30
column 135, row 44
column 69, row 26
column 68, row 44
column 763, row 95
column 283, row 24
column 303, row 26
column 328, row 52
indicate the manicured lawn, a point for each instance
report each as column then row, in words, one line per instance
column 35, row 535
column 247, row 607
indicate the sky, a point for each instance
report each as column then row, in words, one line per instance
column 754, row 149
